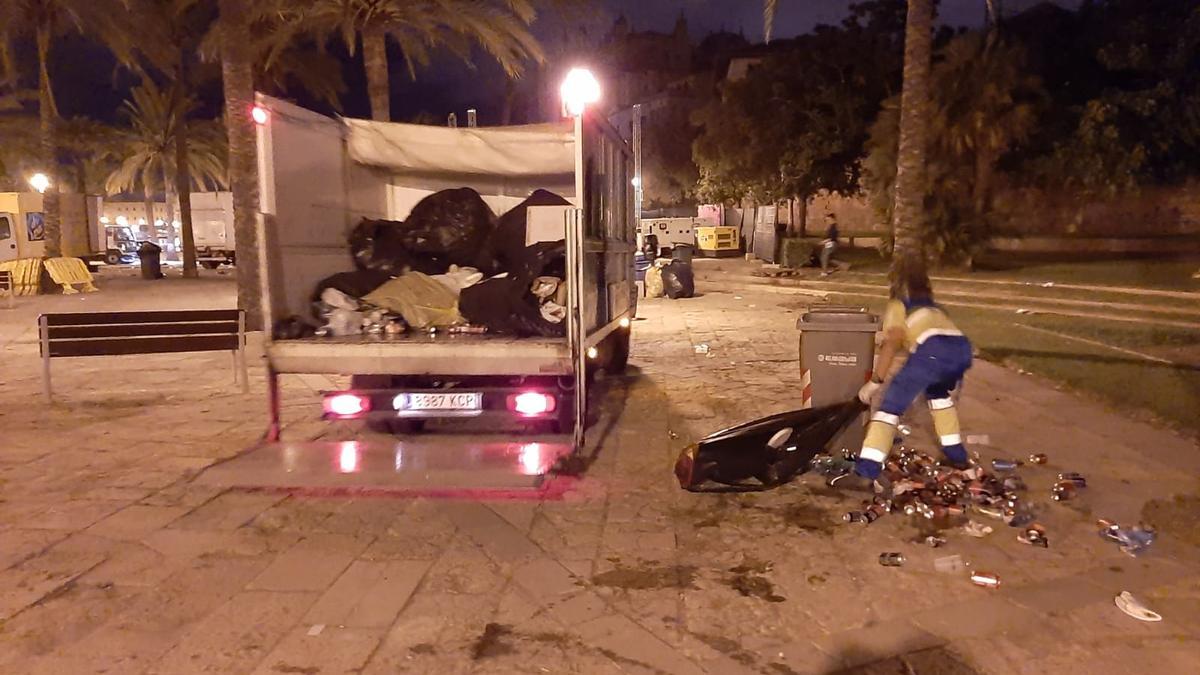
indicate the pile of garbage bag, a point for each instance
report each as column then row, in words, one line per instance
column 671, row 278
column 451, row 265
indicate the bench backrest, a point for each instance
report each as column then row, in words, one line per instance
column 115, row 333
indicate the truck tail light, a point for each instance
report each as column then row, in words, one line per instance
column 346, row 406
column 532, row 403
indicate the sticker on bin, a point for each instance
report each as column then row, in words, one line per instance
column 839, row 359
column 455, row 401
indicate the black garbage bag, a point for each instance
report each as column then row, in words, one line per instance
column 507, row 243
column 771, row 450
column 507, row 307
column 679, row 280
column 376, row 245
column 355, row 284
column 451, row 224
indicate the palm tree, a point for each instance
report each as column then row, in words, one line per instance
column 151, row 150
column 234, row 35
column 500, row 27
column 908, row 256
column 109, row 20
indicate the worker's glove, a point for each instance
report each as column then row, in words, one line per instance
column 868, row 391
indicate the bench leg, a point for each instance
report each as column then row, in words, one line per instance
column 44, row 338
column 273, row 403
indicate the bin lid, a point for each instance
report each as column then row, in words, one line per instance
column 841, row 318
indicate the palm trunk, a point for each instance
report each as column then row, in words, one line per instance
column 982, row 189
column 238, row 82
column 168, row 184
column 148, row 204
column 183, row 186
column 908, row 219
column 48, row 115
column 375, row 63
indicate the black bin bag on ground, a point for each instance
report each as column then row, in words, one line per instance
column 678, row 280
column 375, row 246
column 763, row 453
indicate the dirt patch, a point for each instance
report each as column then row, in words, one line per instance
column 492, row 642
column 933, row 661
column 748, row 580
column 1178, row 517
column 422, row 648
column 734, row 651
column 809, row 517
column 302, row 670
column 649, row 577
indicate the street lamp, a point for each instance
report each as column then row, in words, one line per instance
column 579, row 90
column 40, row 182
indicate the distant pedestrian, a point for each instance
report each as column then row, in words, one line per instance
column 828, row 248
column 939, row 356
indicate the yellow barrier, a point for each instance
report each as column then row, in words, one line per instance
column 26, row 275
column 69, row 271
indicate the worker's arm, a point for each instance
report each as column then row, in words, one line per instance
column 893, row 341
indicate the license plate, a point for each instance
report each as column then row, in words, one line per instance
column 456, row 401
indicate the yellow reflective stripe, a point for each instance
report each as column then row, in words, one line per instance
column 941, row 403
column 873, row 454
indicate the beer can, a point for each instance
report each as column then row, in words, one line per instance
column 1037, row 458
column 891, row 559
column 985, row 579
column 1078, row 480
column 853, row 517
column 1063, row 491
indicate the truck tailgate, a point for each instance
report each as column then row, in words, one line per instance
column 430, row 465
column 422, row 353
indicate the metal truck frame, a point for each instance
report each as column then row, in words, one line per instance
column 319, row 176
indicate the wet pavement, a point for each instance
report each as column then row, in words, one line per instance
column 115, row 557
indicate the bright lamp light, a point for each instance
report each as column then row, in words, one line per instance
column 259, row 114
column 39, row 182
column 579, row 89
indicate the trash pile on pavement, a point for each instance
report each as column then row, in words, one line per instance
column 451, row 266
column 916, row 485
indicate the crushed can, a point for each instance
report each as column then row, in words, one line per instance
column 1063, row 491
column 891, row 559
column 1005, row 464
column 1072, row 477
column 1034, row 535
column 985, row 579
column 933, row 541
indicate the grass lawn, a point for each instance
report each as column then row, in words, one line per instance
column 1169, row 392
column 1163, row 274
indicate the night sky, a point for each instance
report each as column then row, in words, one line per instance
column 87, row 83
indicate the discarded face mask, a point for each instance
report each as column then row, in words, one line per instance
column 770, row 450
column 977, row 530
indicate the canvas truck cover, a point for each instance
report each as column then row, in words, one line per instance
column 539, row 154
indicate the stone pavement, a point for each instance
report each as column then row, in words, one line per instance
column 112, row 561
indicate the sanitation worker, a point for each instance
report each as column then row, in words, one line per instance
column 938, row 356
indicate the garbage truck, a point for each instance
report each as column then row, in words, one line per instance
column 320, row 176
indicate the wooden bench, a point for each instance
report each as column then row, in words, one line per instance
column 7, row 287
column 127, row 333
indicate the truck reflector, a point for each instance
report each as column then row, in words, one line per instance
column 532, row 403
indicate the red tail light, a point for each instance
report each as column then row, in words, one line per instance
column 346, row 406
column 532, row 403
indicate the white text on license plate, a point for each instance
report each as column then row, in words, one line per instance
column 470, row 401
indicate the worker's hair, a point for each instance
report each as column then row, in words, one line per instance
column 916, row 286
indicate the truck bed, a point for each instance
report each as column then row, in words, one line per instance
column 423, row 354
